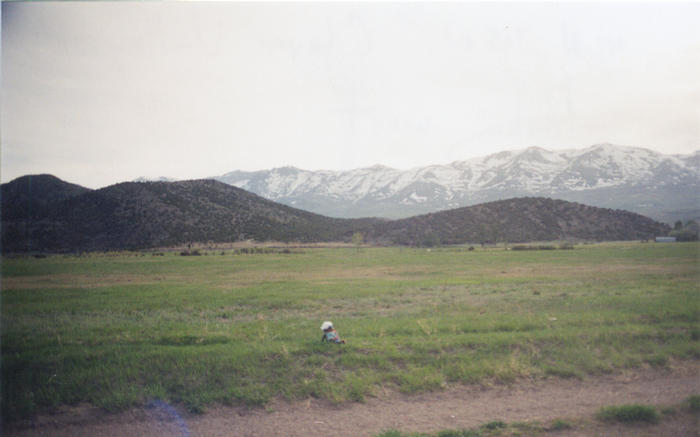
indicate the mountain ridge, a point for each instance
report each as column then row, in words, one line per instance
column 604, row 175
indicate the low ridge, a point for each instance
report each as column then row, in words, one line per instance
column 520, row 220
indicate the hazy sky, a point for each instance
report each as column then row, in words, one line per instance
column 99, row 93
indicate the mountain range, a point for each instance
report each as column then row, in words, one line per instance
column 41, row 213
column 663, row 187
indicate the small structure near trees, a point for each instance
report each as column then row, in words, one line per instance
column 665, row 239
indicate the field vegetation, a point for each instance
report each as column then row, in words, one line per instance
column 119, row 330
column 640, row 419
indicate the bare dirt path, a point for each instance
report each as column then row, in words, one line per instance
column 454, row 408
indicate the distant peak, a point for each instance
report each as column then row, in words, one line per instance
column 614, row 149
column 379, row 167
column 43, row 179
column 609, row 147
column 287, row 170
column 533, row 151
column 43, row 176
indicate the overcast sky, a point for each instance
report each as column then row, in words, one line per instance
column 100, row 93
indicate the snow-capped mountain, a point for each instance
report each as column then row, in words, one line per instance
column 663, row 187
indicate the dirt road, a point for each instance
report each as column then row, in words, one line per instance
column 453, row 408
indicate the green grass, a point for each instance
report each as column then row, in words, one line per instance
column 496, row 424
column 119, row 330
column 560, row 425
column 693, row 403
column 629, row 413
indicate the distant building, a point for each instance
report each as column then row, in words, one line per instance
column 665, row 239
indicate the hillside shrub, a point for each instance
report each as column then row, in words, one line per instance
column 694, row 403
column 564, row 246
column 560, row 425
column 525, row 247
column 496, row 424
column 629, row 413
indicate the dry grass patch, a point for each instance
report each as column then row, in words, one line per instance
column 85, row 281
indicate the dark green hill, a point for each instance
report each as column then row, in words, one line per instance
column 134, row 215
column 45, row 214
column 519, row 220
column 30, row 196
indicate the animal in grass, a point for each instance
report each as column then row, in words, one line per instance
column 330, row 334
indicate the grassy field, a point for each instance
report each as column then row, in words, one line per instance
column 119, row 330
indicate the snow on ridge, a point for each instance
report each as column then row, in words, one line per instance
column 531, row 169
column 156, row 179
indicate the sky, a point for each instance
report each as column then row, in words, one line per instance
column 98, row 93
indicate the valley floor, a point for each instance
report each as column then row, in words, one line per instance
column 572, row 400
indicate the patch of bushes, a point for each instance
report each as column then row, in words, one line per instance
column 525, row 247
column 693, row 403
column 689, row 232
column 629, row 414
column 560, row 425
column 263, row 251
column 496, row 424
column 657, row 361
column 563, row 246
column 444, row 433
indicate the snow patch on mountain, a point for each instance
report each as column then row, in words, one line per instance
column 567, row 174
column 158, row 179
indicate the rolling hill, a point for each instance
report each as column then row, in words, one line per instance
column 62, row 217
column 519, row 220
column 134, row 215
column 32, row 196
